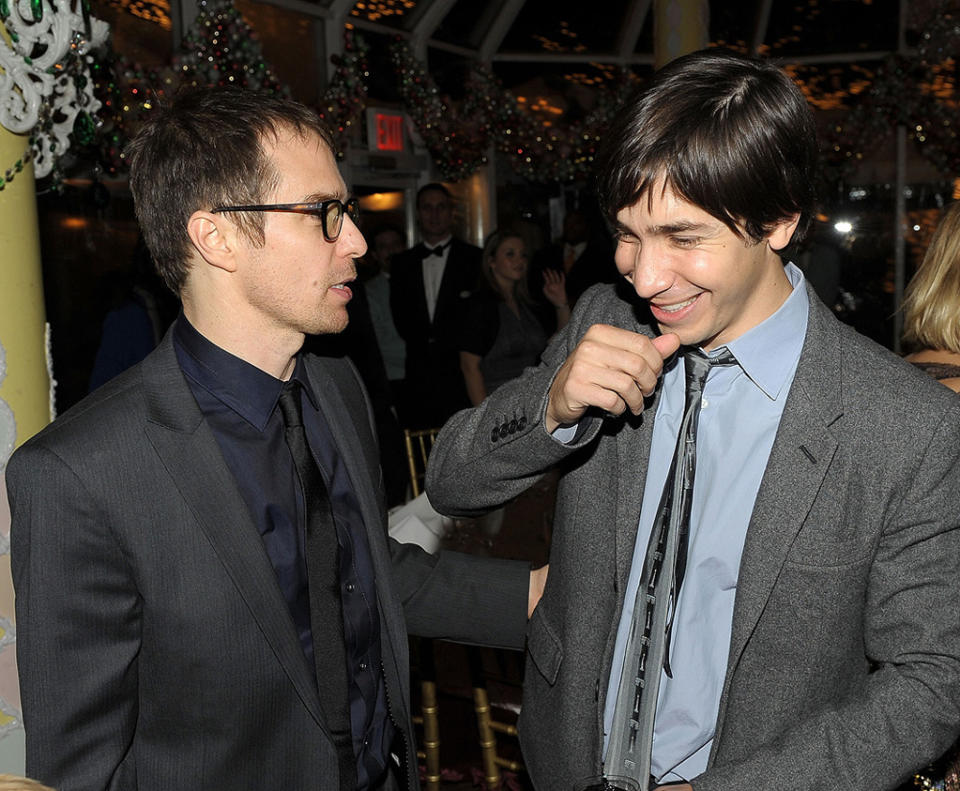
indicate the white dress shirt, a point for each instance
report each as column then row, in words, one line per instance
column 433, row 266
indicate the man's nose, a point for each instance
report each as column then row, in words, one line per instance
column 351, row 243
column 646, row 267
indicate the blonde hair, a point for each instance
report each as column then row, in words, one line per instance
column 931, row 305
column 15, row 783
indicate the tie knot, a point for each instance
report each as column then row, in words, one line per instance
column 697, row 365
column 290, row 404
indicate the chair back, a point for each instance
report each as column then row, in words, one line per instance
column 419, row 443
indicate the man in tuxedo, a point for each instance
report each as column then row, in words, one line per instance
column 428, row 286
column 814, row 642
column 206, row 595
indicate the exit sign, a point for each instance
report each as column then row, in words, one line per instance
column 385, row 130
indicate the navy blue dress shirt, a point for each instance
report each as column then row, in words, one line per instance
column 239, row 402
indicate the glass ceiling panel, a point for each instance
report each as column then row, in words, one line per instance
column 466, row 23
column 394, row 13
column 551, row 26
column 817, row 28
column 732, row 24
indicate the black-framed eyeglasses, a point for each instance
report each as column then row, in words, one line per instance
column 330, row 212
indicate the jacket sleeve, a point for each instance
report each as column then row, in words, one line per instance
column 78, row 628
column 488, row 455
column 459, row 597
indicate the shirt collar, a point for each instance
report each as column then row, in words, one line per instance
column 244, row 388
column 769, row 352
column 445, row 243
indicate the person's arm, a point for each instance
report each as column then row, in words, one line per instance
column 473, row 377
column 490, row 454
column 909, row 705
column 555, row 290
column 464, row 598
column 78, row 627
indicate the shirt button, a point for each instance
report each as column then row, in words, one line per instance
column 704, row 403
column 351, row 587
column 363, row 666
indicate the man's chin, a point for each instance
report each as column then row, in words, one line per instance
column 328, row 325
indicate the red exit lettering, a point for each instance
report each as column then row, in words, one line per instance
column 389, row 132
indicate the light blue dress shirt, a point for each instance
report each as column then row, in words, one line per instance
column 741, row 411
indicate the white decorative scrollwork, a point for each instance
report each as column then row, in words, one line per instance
column 45, row 84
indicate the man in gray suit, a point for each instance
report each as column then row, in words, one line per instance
column 164, row 533
column 815, row 642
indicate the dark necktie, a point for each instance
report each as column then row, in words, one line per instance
column 648, row 646
column 323, row 580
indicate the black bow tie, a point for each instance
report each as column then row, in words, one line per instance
column 437, row 251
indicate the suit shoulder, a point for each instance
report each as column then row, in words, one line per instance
column 886, row 393
column 92, row 425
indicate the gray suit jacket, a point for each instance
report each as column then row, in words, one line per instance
column 844, row 663
column 155, row 648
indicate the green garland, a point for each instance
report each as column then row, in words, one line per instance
column 904, row 92
column 346, row 95
column 459, row 136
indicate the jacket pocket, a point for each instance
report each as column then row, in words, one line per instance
column 544, row 646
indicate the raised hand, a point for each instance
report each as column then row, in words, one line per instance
column 612, row 369
column 555, row 287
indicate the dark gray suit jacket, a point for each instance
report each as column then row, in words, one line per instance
column 154, row 646
column 844, row 663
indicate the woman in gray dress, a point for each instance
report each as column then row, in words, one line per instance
column 501, row 333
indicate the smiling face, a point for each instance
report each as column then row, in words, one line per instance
column 297, row 282
column 700, row 279
column 509, row 261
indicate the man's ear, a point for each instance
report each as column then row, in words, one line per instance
column 782, row 232
column 215, row 239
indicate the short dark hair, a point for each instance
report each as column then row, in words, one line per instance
column 433, row 186
column 730, row 134
column 204, row 150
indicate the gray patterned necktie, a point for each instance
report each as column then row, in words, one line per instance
column 648, row 646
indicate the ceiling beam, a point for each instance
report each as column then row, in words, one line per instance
column 497, row 32
column 300, row 6
column 760, row 27
column 836, row 57
column 426, row 24
column 633, row 21
column 572, row 57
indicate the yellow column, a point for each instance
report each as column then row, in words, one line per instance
column 24, row 395
column 679, row 27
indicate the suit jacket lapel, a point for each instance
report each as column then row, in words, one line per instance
column 448, row 295
column 801, row 454
column 189, row 451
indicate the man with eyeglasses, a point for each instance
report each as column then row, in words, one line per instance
column 206, row 595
